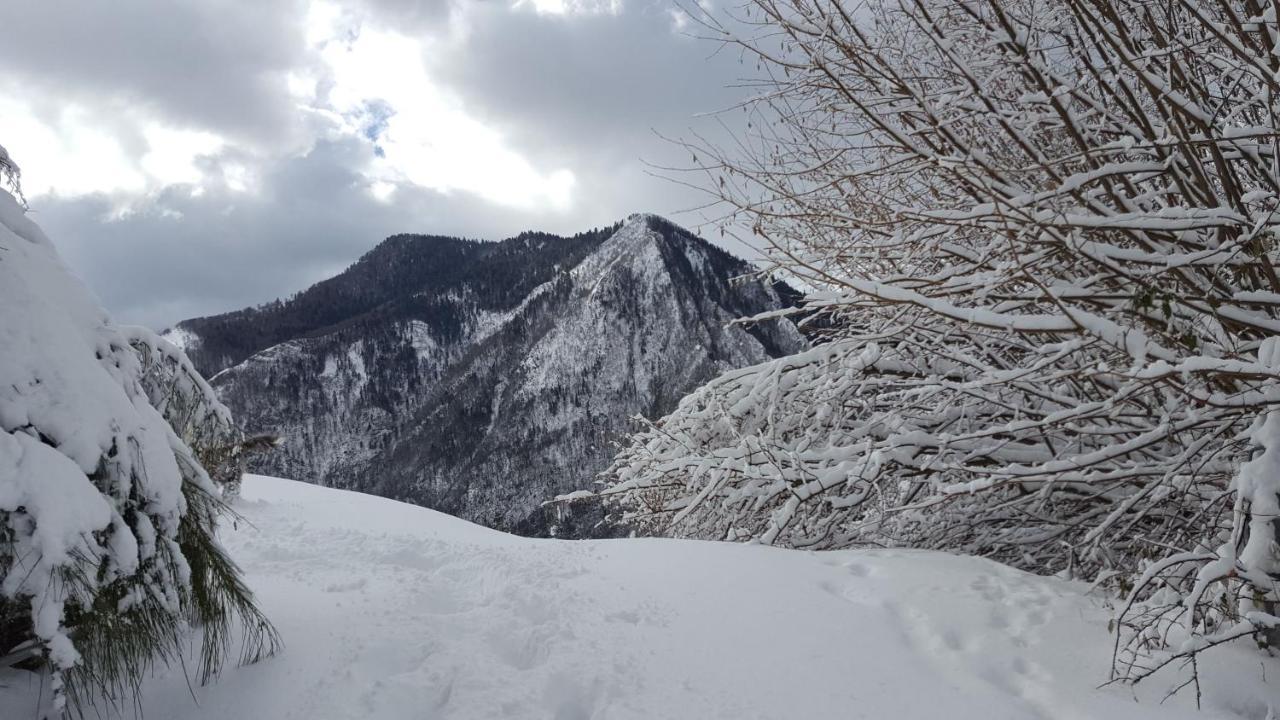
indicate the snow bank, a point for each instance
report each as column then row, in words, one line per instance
column 391, row 611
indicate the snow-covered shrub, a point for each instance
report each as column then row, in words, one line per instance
column 1041, row 238
column 107, row 519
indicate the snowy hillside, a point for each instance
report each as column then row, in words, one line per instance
column 391, row 611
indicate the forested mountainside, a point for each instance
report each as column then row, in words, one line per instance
column 482, row 379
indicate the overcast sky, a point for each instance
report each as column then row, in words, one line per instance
column 196, row 156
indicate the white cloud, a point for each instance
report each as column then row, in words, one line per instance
column 171, row 157
column 68, row 153
column 72, row 152
column 237, row 176
column 378, row 83
column 382, row 191
column 572, row 7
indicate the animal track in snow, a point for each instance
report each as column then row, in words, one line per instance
column 1001, row 656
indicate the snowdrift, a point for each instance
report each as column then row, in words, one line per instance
column 391, row 611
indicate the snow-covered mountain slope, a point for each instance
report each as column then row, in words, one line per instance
column 483, row 379
column 393, row 612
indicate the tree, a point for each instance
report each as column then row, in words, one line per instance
column 1040, row 239
column 108, row 553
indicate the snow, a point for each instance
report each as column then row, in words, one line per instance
column 181, row 338
column 1259, row 481
column 425, row 347
column 393, row 611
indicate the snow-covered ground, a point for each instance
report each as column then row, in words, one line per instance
column 393, row 611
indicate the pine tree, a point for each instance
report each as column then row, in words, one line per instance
column 108, row 549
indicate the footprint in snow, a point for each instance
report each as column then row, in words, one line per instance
column 523, row 649
column 357, row 584
column 856, row 594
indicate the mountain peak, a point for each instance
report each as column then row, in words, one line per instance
column 664, row 228
column 489, row 384
column 645, row 218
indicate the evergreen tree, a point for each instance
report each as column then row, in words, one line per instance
column 108, row 549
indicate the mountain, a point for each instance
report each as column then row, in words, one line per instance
column 482, row 379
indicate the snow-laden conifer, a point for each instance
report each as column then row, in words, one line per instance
column 107, row 518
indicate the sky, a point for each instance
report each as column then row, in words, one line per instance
column 190, row 157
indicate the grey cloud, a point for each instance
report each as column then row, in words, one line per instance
column 410, row 17
column 217, row 65
column 179, row 256
column 597, row 93
column 602, row 78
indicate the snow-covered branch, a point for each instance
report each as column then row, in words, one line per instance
column 1041, row 237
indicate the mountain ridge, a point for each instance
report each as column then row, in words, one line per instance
column 488, row 386
column 392, row 257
